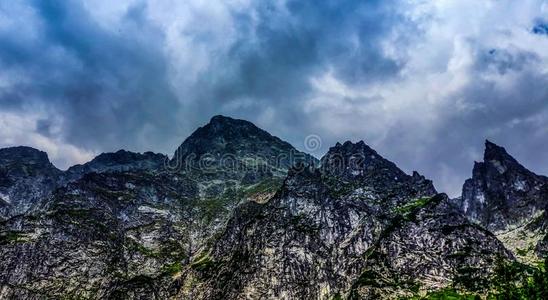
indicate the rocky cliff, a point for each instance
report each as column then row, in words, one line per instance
column 509, row 200
column 121, row 225
column 26, row 177
column 237, row 213
column 356, row 227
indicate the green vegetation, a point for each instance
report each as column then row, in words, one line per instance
column 446, row 294
column 266, row 186
column 202, row 263
column 12, row 237
column 522, row 252
column 408, row 208
column 211, row 208
column 173, row 268
column 337, row 296
column 368, row 278
column 514, row 280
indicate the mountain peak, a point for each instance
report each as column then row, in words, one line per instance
column 220, row 122
column 496, row 152
column 119, row 161
column 225, row 138
column 22, row 153
column 497, row 157
column 25, row 160
column 351, row 160
column 501, row 191
column 223, row 119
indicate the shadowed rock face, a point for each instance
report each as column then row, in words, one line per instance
column 270, row 226
column 122, row 224
column 502, row 193
column 316, row 238
column 26, row 177
column 236, row 147
column 120, row 161
column 506, row 198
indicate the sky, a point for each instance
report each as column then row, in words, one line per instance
column 422, row 82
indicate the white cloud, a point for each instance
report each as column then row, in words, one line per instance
column 20, row 129
column 433, row 92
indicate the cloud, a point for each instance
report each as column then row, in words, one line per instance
column 423, row 82
column 540, row 28
column 105, row 86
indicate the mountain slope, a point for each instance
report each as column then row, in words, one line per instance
column 26, row 177
column 314, row 239
column 509, row 200
column 240, row 214
column 122, row 224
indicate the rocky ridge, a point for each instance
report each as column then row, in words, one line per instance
column 356, row 227
column 240, row 214
column 120, row 225
column 509, row 200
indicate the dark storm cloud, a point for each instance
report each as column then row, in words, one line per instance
column 105, row 86
column 540, row 27
column 111, row 88
column 273, row 60
column 423, row 82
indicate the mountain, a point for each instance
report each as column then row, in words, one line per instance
column 26, row 177
column 236, row 151
column 120, row 161
column 237, row 213
column 509, row 200
column 123, row 224
column 356, row 227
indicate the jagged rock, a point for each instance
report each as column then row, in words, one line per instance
column 26, row 177
column 507, row 199
column 121, row 225
column 312, row 240
column 100, row 236
column 120, row 161
column 240, row 214
column 431, row 246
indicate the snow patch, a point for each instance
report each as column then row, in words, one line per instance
column 5, row 197
column 152, row 210
column 481, row 198
column 498, row 165
column 520, row 185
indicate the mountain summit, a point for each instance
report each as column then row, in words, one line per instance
column 240, row 214
column 502, row 193
column 26, row 177
column 238, row 149
column 509, row 200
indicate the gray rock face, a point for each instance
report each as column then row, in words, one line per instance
column 431, row 247
column 316, row 237
column 509, row 200
column 120, row 161
column 502, row 193
column 240, row 214
column 100, row 236
column 26, row 177
column 122, row 225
